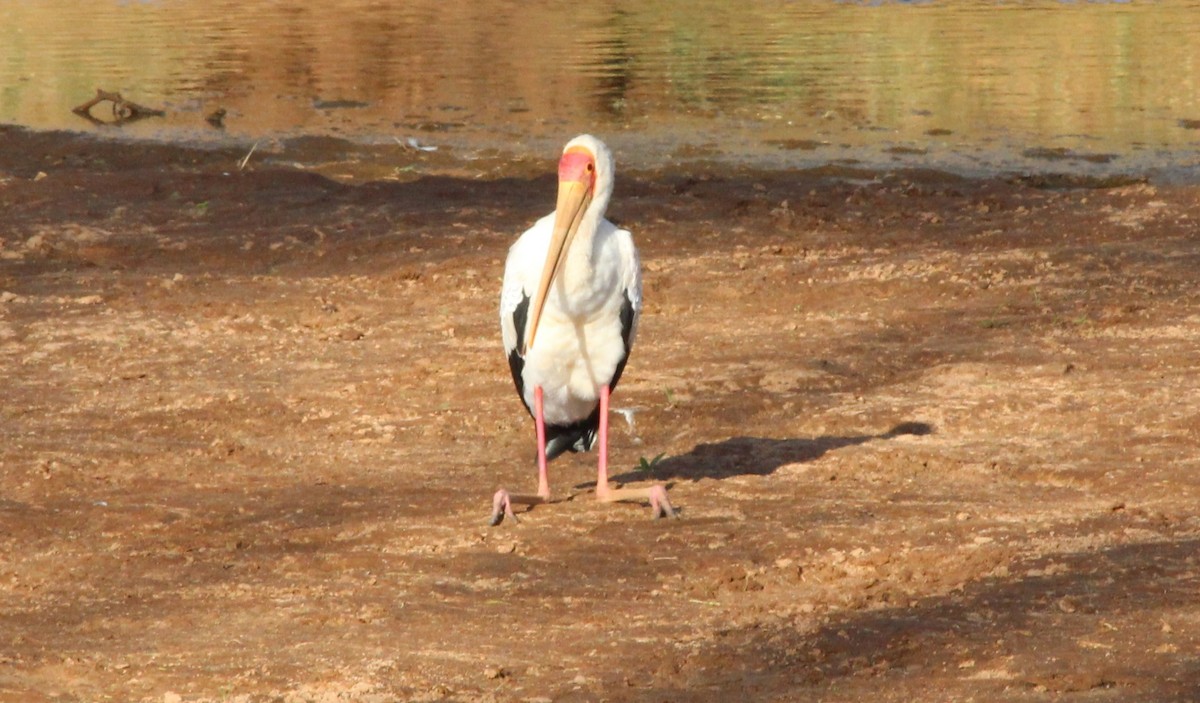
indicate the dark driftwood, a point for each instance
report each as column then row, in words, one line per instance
column 122, row 110
column 216, row 118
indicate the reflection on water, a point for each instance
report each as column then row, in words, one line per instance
column 963, row 85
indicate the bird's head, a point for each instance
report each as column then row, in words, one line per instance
column 585, row 177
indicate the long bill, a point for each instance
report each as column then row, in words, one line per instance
column 573, row 200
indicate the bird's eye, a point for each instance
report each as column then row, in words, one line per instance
column 590, row 168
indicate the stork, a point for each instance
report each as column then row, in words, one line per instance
column 569, row 311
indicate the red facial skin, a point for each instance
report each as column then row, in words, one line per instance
column 578, row 164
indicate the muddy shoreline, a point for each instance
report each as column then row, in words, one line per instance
column 933, row 437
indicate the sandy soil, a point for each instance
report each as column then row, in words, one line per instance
column 933, row 439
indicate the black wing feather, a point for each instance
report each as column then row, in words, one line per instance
column 627, row 314
column 516, row 362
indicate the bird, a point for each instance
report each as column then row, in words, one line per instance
column 569, row 310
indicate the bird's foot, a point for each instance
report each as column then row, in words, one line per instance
column 502, row 508
column 503, row 502
column 660, row 505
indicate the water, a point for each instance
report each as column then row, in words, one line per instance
column 967, row 86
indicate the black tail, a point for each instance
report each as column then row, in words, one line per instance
column 576, row 437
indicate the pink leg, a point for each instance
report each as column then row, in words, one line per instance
column 539, row 419
column 657, row 495
column 503, row 501
column 602, row 478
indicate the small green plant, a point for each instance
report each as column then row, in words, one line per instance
column 648, row 466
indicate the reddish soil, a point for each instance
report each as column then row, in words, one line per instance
column 933, row 439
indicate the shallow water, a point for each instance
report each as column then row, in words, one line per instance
column 964, row 86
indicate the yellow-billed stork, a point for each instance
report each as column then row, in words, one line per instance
column 569, row 311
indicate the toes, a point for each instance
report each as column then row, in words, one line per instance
column 662, row 511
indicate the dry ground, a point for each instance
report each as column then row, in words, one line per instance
column 933, row 439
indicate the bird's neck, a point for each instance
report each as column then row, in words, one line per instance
column 579, row 258
column 580, row 261
column 583, row 246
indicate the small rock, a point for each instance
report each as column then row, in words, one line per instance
column 9, row 297
column 89, row 300
column 496, row 672
column 172, row 697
